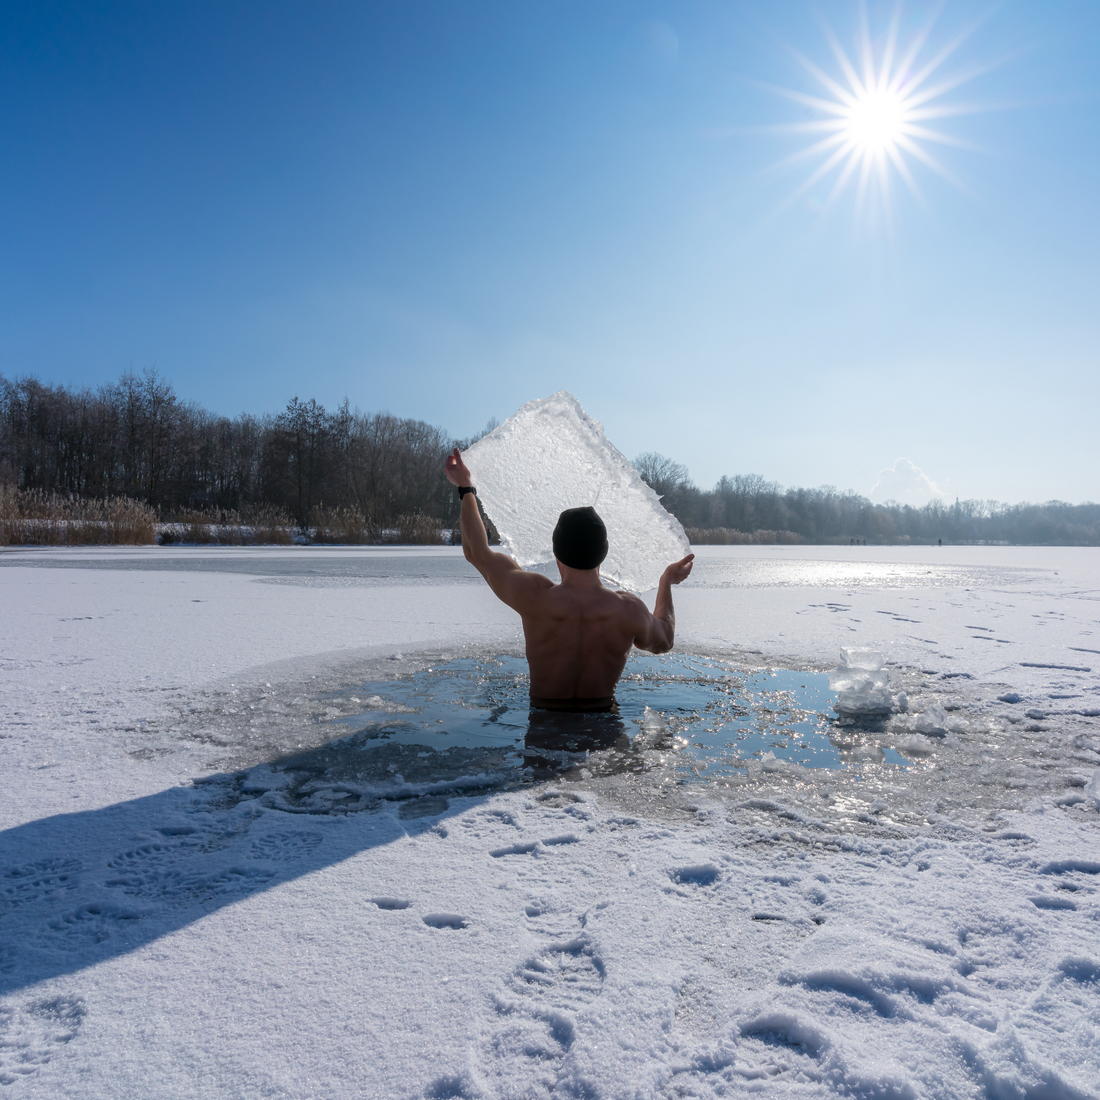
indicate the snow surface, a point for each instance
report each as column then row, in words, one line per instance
column 173, row 924
column 550, row 456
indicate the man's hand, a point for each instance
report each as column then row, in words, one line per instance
column 659, row 631
column 455, row 469
column 679, row 570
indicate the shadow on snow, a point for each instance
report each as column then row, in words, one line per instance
column 78, row 889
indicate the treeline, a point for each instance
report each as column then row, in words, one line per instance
column 749, row 504
column 137, row 439
column 350, row 476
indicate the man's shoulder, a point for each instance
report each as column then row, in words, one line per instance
column 630, row 605
column 533, row 582
column 529, row 585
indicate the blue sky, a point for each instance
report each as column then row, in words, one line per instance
column 446, row 210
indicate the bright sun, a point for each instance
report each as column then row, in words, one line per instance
column 876, row 121
column 872, row 121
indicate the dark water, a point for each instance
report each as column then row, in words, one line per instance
column 700, row 718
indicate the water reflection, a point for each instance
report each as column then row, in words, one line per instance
column 554, row 741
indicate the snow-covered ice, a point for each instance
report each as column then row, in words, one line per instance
column 205, row 889
column 550, row 456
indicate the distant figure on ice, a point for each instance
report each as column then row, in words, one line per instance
column 578, row 634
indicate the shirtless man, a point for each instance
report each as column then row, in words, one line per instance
column 578, row 633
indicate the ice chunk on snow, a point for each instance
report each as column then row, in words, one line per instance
column 1092, row 790
column 773, row 765
column 551, row 455
column 933, row 721
column 861, row 683
column 916, row 745
column 868, row 660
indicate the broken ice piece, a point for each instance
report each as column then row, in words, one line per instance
column 1092, row 790
column 861, row 683
column 916, row 745
column 551, row 455
column 932, row 722
column 777, row 766
column 1010, row 697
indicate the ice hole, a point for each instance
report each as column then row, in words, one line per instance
column 696, row 716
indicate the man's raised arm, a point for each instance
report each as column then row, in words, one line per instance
column 660, row 630
column 505, row 577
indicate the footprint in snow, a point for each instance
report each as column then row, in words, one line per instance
column 284, row 847
column 546, row 920
column 445, row 920
column 559, row 798
column 537, row 1012
column 697, row 874
column 182, row 886
column 32, row 881
column 452, row 1086
column 154, row 854
column 1048, row 901
column 527, row 847
column 390, row 903
column 31, row 1033
column 779, row 1046
column 1082, row 970
column 82, row 928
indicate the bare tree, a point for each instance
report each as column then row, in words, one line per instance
column 661, row 474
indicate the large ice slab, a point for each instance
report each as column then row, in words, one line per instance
column 551, row 455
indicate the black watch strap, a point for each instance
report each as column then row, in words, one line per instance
column 464, row 489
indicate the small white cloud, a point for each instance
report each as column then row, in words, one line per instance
column 905, row 483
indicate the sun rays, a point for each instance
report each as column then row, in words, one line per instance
column 873, row 114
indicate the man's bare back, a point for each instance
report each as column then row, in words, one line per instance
column 578, row 633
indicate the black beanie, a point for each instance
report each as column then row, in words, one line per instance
column 580, row 538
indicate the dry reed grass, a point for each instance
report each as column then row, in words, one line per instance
column 344, row 525
column 269, row 524
column 29, row 517
column 419, row 529
column 218, row 526
column 260, row 525
column 726, row 536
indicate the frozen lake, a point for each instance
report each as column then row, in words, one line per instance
column 278, row 823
